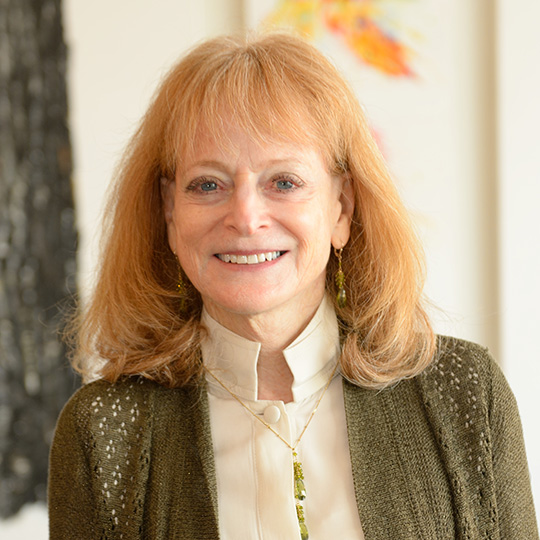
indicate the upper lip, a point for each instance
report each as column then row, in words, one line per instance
column 249, row 252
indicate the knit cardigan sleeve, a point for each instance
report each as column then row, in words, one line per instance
column 99, row 458
column 510, row 472
column 72, row 503
column 475, row 416
column 133, row 460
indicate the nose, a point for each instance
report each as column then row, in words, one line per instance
column 247, row 212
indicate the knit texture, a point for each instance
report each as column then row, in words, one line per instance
column 436, row 457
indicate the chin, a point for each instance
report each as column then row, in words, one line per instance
column 251, row 302
column 244, row 306
column 243, row 299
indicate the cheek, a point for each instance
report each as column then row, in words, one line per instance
column 188, row 248
column 321, row 230
column 191, row 266
column 313, row 226
column 333, row 202
column 315, row 241
column 329, row 212
column 188, row 229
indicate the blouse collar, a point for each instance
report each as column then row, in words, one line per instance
column 311, row 357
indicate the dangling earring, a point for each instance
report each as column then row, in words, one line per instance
column 181, row 287
column 341, row 297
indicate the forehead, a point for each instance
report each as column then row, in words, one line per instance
column 226, row 136
column 235, row 148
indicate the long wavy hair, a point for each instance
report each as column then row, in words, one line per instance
column 276, row 87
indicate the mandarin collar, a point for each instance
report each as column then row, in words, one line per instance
column 311, row 357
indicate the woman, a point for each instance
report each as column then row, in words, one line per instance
column 258, row 302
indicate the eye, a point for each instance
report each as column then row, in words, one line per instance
column 209, row 185
column 286, row 183
column 203, row 184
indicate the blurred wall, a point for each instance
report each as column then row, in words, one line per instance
column 119, row 50
column 517, row 50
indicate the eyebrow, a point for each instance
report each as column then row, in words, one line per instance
column 207, row 163
column 221, row 166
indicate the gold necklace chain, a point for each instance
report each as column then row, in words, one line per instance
column 299, row 487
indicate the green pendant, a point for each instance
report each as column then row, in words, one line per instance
column 299, row 489
column 301, row 521
column 300, row 495
column 341, row 298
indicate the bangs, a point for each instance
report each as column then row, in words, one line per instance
column 254, row 107
column 271, row 95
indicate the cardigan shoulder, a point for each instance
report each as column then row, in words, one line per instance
column 450, row 435
column 475, row 419
column 99, row 455
column 109, row 413
column 113, row 419
column 126, row 397
column 123, row 443
column 455, row 357
column 465, row 386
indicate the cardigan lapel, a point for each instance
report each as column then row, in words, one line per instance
column 401, row 486
column 204, row 443
column 182, row 497
column 381, row 489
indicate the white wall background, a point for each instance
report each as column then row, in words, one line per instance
column 481, row 206
column 518, row 228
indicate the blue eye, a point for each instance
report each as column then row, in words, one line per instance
column 284, row 184
column 208, row 186
column 205, row 185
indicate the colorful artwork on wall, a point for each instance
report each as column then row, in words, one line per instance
column 371, row 29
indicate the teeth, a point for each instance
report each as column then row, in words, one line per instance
column 250, row 259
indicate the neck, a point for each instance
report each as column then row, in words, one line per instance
column 274, row 331
column 275, row 377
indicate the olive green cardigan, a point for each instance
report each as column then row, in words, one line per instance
column 437, row 457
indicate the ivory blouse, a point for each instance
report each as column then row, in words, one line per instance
column 254, row 468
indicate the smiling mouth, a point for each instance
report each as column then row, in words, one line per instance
column 255, row 258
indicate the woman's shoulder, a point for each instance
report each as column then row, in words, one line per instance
column 461, row 363
column 100, row 406
column 466, row 388
column 457, row 351
column 101, row 395
column 475, row 419
column 125, row 405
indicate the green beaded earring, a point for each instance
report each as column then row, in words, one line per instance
column 341, row 298
column 181, row 287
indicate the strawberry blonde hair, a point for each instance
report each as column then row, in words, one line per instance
column 275, row 87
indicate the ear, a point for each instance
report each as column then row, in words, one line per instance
column 168, row 190
column 342, row 230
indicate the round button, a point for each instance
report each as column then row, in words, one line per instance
column 272, row 414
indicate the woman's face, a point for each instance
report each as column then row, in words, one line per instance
column 253, row 225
